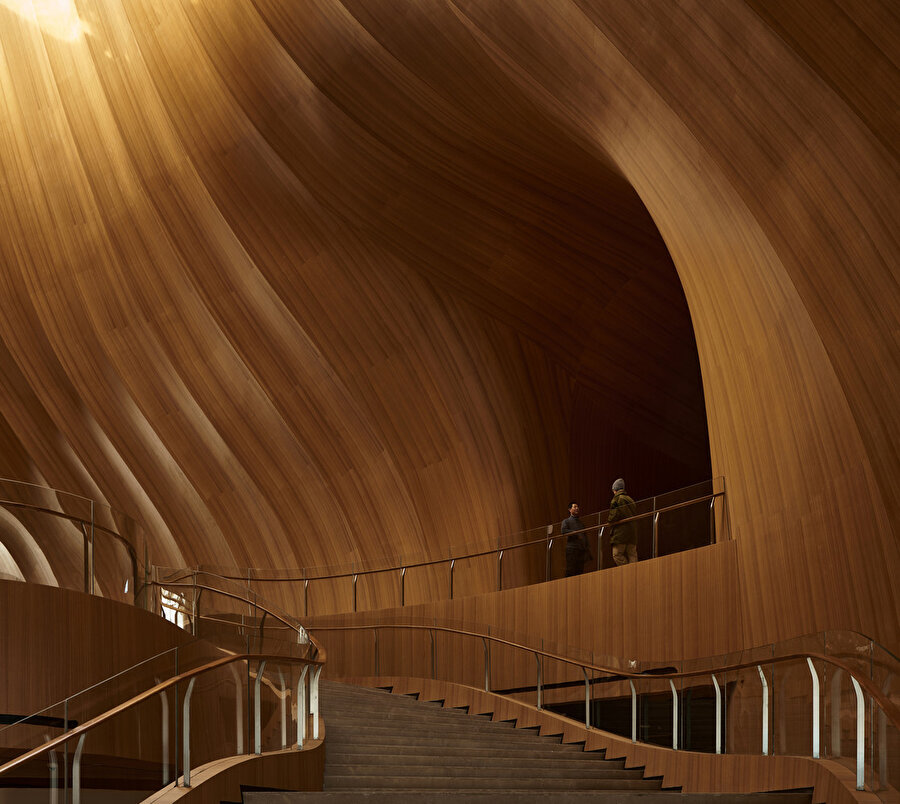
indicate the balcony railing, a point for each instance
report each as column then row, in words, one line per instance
column 691, row 517
column 832, row 695
column 139, row 720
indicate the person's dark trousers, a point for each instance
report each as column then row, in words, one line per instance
column 574, row 560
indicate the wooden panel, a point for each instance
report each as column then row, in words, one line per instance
column 61, row 642
column 223, row 779
column 303, row 284
column 681, row 606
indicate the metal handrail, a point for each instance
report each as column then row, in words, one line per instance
column 94, row 686
column 189, row 675
column 892, row 711
column 299, row 629
column 860, row 683
column 477, row 554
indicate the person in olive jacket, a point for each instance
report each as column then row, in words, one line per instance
column 623, row 538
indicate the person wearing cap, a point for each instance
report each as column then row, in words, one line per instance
column 577, row 551
column 623, row 538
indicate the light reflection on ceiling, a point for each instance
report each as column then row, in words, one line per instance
column 58, row 18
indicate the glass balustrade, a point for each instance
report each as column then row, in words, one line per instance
column 831, row 695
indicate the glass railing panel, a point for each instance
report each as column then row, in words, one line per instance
column 885, row 775
column 698, row 719
column 475, row 576
column 329, row 596
column 886, row 736
column 423, row 584
column 459, row 658
column 378, row 590
column 522, row 566
column 132, row 754
column 278, row 706
column 40, row 779
column 744, row 693
column 115, row 574
column 792, row 710
column 685, row 528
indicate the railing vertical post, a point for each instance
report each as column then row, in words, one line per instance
column 674, row 715
column 600, row 547
column 765, row 711
column 487, row 665
column 712, row 520
column 76, row 770
column 402, row 586
column 54, row 775
column 816, row 708
column 283, row 709
column 186, row 736
column 587, row 698
column 882, row 735
column 860, row 736
column 452, row 565
column 238, row 709
column 305, row 597
column 257, row 714
column 301, row 706
column 86, row 562
column 655, row 531
column 549, row 548
column 633, row 711
column 314, row 700
column 375, row 636
column 92, row 547
column 500, row 571
column 540, row 678
column 433, row 668
column 355, row 576
column 718, row 714
column 194, row 606
column 164, row 715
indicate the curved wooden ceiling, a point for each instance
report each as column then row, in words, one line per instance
column 302, row 282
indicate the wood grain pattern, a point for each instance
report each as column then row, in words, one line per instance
column 297, row 283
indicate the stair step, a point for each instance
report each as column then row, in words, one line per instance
column 525, row 797
column 486, row 771
column 376, row 731
column 383, row 748
column 536, row 758
column 462, row 741
column 508, row 783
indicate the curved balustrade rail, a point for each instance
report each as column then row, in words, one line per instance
column 79, row 732
column 708, row 517
column 194, row 583
column 114, row 548
column 842, row 658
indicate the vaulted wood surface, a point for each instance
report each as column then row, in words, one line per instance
column 304, row 283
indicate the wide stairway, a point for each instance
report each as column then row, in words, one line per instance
column 381, row 747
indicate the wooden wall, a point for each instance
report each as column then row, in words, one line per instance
column 306, row 283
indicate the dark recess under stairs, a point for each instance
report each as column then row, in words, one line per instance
column 383, row 748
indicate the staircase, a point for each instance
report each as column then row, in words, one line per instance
column 383, row 748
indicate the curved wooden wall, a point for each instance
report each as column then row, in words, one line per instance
column 302, row 283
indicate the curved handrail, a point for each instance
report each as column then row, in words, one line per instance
column 145, row 695
column 477, row 554
column 73, row 518
column 296, row 627
column 891, row 710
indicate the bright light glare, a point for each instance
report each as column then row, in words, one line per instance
column 59, row 18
